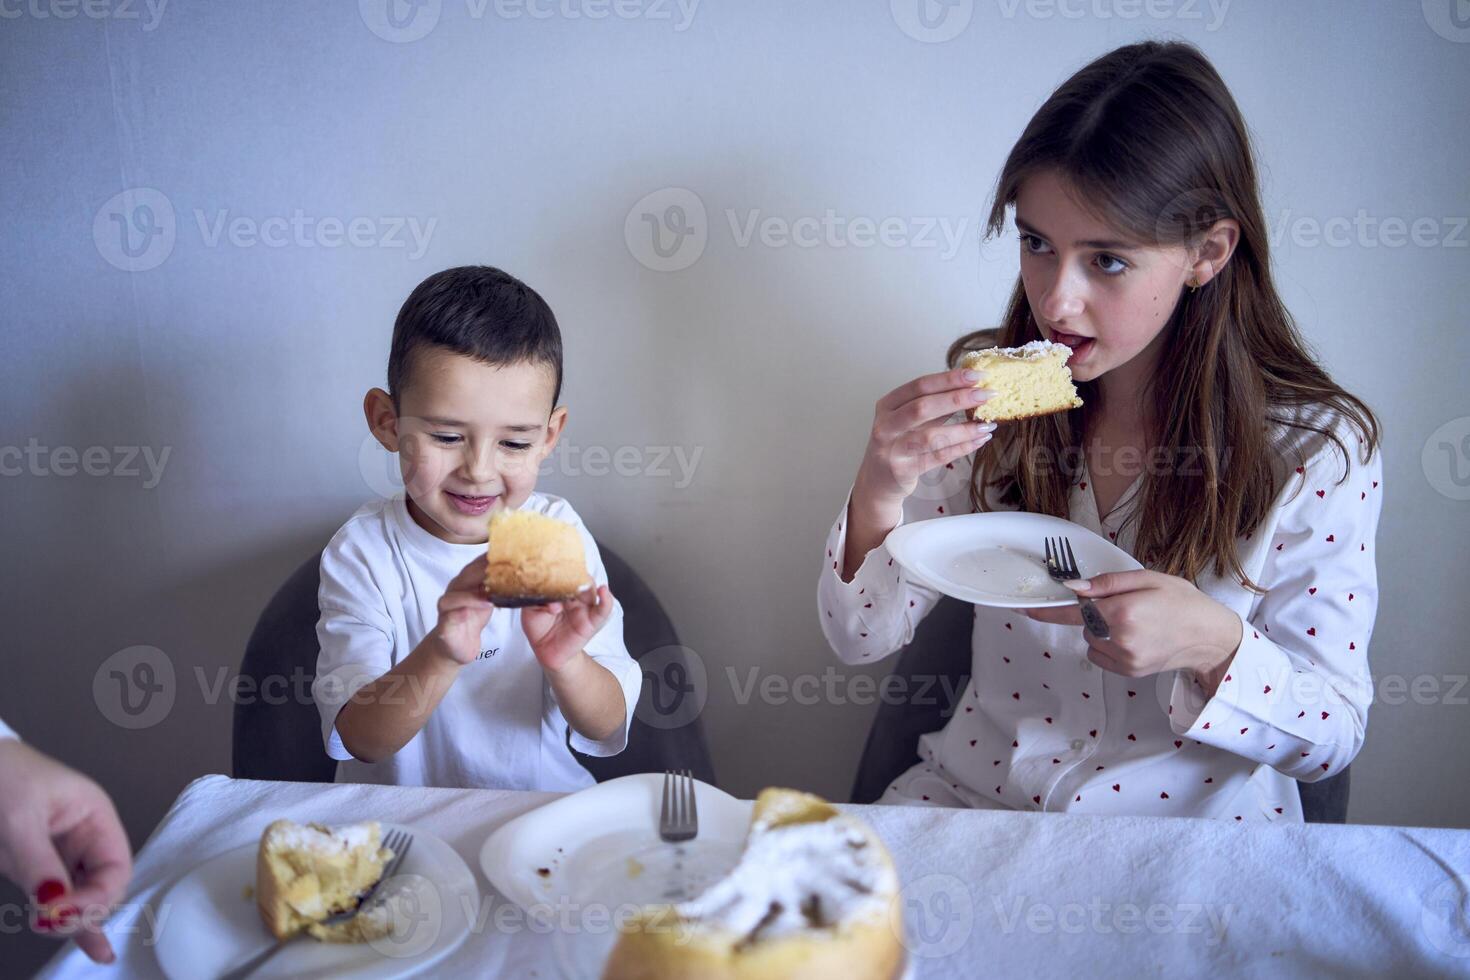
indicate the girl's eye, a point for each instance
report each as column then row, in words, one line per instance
column 443, row 439
column 517, row 447
column 1033, row 245
column 1111, row 265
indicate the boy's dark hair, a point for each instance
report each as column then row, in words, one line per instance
column 478, row 311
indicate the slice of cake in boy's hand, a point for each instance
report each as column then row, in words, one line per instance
column 532, row 559
column 1027, row 381
column 305, row 873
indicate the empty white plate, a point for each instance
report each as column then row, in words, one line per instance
column 208, row 923
column 998, row 558
column 580, row 863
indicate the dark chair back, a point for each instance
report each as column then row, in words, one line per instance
column 277, row 731
column 941, row 649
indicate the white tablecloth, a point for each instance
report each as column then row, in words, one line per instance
column 987, row 894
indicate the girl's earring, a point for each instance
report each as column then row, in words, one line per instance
column 1193, row 284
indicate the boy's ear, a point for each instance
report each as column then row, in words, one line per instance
column 554, row 425
column 1214, row 251
column 382, row 418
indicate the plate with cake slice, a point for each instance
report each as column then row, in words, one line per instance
column 997, row 558
column 234, row 906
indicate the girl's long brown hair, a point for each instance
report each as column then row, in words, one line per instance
column 1151, row 138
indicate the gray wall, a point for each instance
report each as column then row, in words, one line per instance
column 242, row 350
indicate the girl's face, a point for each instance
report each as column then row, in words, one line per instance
column 1089, row 287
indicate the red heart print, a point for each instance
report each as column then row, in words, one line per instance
column 1163, row 796
column 1117, row 787
column 1178, row 744
column 1311, row 631
column 1210, row 780
column 1326, row 715
column 1132, row 737
column 1320, row 493
column 1312, row 590
column 1016, row 695
column 1267, row 690
column 1299, row 469
column 1331, row 537
column 1036, row 800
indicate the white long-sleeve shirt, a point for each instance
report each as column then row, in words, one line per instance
column 499, row 725
column 1039, row 727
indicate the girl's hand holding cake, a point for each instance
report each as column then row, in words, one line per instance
column 911, row 435
column 1158, row 622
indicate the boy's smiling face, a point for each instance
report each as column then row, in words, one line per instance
column 469, row 436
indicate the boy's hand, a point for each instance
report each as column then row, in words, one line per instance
column 559, row 631
column 463, row 613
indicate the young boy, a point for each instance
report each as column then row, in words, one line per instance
column 420, row 681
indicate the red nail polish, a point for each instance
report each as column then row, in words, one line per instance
column 49, row 891
column 65, row 912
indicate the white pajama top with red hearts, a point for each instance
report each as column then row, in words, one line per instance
column 1039, row 727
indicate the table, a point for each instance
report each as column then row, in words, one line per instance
column 986, row 894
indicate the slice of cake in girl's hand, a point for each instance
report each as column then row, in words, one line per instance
column 304, row 873
column 812, row 896
column 533, row 560
column 1027, row 381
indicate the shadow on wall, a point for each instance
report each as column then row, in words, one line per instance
column 122, row 640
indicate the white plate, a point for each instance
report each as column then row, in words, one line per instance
column 208, row 924
column 998, row 558
column 581, row 862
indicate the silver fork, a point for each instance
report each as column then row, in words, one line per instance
column 1061, row 565
column 678, row 817
column 398, row 842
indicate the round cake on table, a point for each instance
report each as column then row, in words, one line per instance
column 1027, row 381
column 532, row 560
column 812, row 896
